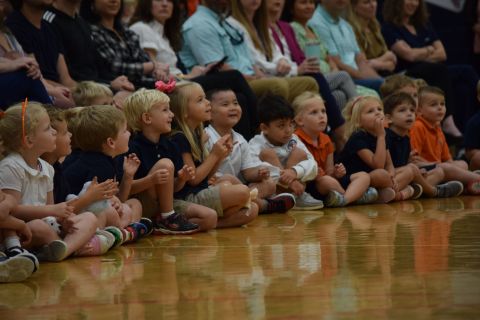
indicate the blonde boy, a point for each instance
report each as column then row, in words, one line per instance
column 148, row 114
column 401, row 83
column 89, row 93
column 428, row 141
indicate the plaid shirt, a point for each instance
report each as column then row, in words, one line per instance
column 120, row 56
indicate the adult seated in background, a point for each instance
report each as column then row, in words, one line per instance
column 118, row 51
column 20, row 76
column 209, row 38
column 157, row 23
column 38, row 40
column 341, row 43
column 361, row 15
column 421, row 53
column 74, row 34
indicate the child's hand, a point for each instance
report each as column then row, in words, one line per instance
column 25, row 234
column 221, row 148
column 62, row 210
column 130, row 164
column 339, row 170
column 297, row 187
column 213, row 180
column 414, row 156
column 117, row 205
column 379, row 127
column 68, row 225
column 159, row 176
column 263, row 173
column 104, row 190
column 187, row 173
column 288, row 176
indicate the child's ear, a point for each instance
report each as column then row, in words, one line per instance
column 263, row 127
column 146, row 118
column 110, row 143
column 298, row 121
column 29, row 142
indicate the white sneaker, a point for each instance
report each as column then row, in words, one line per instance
column 307, row 202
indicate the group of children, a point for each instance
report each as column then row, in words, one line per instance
column 77, row 183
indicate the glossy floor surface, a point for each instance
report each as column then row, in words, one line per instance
column 409, row 260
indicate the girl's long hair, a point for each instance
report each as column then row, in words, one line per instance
column 352, row 112
column 393, row 13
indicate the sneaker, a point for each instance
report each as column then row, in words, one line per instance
column 417, row 191
column 2, row 255
column 385, row 195
column 335, row 199
column 307, row 202
column 54, row 251
column 449, row 189
column 136, row 230
column 147, row 223
column 405, row 194
column 370, row 196
column 473, row 187
column 15, row 251
column 16, row 268
column 175, row 223
column 99, row 244
column 117, row 234
column 280, row 203
column 476, row 171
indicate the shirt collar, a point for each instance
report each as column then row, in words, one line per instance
column 209, row 12
column 427, row 124
column 327, row 15
column 157, row 27
column 40, row 172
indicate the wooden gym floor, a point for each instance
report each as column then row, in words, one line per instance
column 408, row 260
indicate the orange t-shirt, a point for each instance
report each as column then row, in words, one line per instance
column 429, row 141
column 321, row 151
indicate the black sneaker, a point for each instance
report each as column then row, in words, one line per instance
column 280, row 203
column 147, row 223
column 19, row 251
column 175, row 223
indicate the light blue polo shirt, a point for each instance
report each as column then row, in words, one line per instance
column 337, row 34
column 207, row 38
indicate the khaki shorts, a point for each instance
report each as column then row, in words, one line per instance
column 209, row 197
column 150, row 205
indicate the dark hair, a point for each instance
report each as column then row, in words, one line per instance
column 393, row 13
column 394, row 100
column 16, row 4
column 287, row 13
column 273, row 107
column 143, row 12
column 210, row 93
column 88, row 13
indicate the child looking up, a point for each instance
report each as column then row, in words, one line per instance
column 226, row 112
column 293, row 165
column 400, row 112
column 148, row 114
column 311, row 119
column 231, row 202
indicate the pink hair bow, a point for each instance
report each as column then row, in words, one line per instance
column 166, row 87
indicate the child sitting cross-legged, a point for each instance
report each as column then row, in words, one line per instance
column 293, row 165
column 149, row 116
column 331, row 182
column 226, row 112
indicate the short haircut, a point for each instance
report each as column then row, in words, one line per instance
column 273, row 107
column 71, row 116
column 394, row 100
column 87, row 91
column 95, row 125
column 394, row 83
column 211, row 93
column 55, row 114
column 141, row 102
column 429, row 90
column 298, row 103
column 16, row 4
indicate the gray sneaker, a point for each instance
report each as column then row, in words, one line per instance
column 370, row 196
column 449, row 189
column 335, row 199
column 307, row 202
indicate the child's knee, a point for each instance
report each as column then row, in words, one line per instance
column 241, row 192
column 298, row 154
column 267, row 154
column 209, row 219
column 164, row 163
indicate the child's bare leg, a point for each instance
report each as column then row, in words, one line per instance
column 85, row 226
column 475, row 161
column 461, row 164
column 297, row 155
column 359, row 183
column 234, row 199
column 435, row 176
column 266, row 188
column 380, row 178
column 269, row 155
column 204, row 217
column 404, row 175
column 227, row 179
column 42, row 234
column 428, row 188
column 238, row 218
column 105, row 217
column 164, row 192
column 326, row 183
column 454, row 172
column 131, row 212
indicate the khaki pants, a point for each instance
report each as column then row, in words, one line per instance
column 288, row 87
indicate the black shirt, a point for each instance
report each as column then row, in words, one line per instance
column 349, row 157
column 399, row 148
column 61, row 187
column 40, row 42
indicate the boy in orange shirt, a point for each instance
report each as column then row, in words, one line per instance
column 428, row 141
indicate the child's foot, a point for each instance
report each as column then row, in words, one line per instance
column 15, row 251
column 405, row 194
column 385, row 195
column 306, row 202
column 16, row 268
column 175, row 223
column 473, row 187
column 370, row 196
column 136, row 231
column 335, row 199
column 117, row 234
column 280, row 203
column 54, row 251
column 99, row 244
column 449, row 189
column 147, row 223
column 2, row 255
column 417, row 191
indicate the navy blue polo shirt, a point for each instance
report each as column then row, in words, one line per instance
column 425, row 36
column 90, row 165
column 472, row 133
column 150, row 152
column 61, row 187
column 183, row 146
column 358, row 141
column 71, row 158
column 399, row 148
column 40, row 42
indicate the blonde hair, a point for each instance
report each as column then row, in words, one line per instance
column 140, row 102
column 299, row 102
column 11, row 124
column 179, row 100
column 353, row 111
column 394, row 83
column 95, row 124
column 87, row 91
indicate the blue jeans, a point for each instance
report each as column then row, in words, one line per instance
column 16, row 86
column 372, row 83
